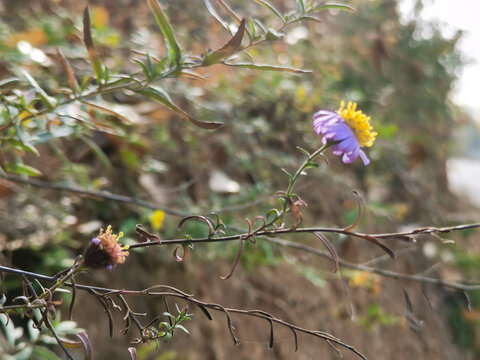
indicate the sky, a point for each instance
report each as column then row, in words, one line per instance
column 453, row 15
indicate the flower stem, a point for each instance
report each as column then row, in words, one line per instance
column 306, row 163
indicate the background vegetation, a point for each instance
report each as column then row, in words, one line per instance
column 128, row 142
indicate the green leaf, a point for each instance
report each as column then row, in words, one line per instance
column 150, row 64
column 288, row 174
column 334, row 6
column 228, row 49
column 42, row 352
column 145, row 69
column 160, row 95
column 8, row 81
column 47, row 100
column 272, row 214
column 271, row 8
column 120, row 79
column 181, row 327
column 300, row 6
column 252, row 34
column 22, row 169
column 260, row 25
column 106, row 74
column 17, row 144
column 160, row 66
column 173, row 50
column 45, row 136
column 98, row 151
column 269, row 67
column 213, row 12
column 229, row 11
column 92, row 52
column 312, row 18
column 303, row 151
column 272, row 35
column 311, row 165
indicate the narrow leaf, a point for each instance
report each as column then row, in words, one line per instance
column 300, row 6
column 173, row 50
column 330, row 248
column 160, row 95
column 107, row 310
column 303, row 151
column 181, row 327
column 145, row 69
column 271, row 8
column 228, row 49
column 380, row 244
column 88, row 40
column 17, row 144
column 72, row 81
column 295, row 336
column 47, row 100
column 334, row 6
column 98, row 151
column 72, row 301
column 205, row 311
column 229, row 11
column 214, row 13
column 252, row 33
column 312, row 18
column 269, row 67
column 360, row 212
column 87, row 346
column 151, row 237
column 106, row 110
column 186, row 253
column 270, row 343
column 22, row 169
column 235, row 261
column 8, row 81
column 405, row 238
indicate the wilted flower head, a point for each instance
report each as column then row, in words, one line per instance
column 104, row 250
column 349, row 128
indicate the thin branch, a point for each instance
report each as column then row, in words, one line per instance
column 175, row 293
column 96, row 194
column 383, row 236
column 381, row 272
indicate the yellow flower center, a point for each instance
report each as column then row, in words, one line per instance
column 358, row 122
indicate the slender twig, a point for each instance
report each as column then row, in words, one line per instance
column 101, row 291
column 57, row 338
column 304, row 165
column 381, row 272
column 384, row 236
column 135, row 83
column 96, row 194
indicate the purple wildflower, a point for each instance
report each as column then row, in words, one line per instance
column 348, row 129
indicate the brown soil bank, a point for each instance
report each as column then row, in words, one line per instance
column 288, row 295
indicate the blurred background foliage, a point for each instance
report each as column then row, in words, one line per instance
column 401, row 74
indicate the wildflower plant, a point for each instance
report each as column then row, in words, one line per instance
column 26, row 119
column 104, row 251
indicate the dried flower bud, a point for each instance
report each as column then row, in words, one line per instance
column 104, row 251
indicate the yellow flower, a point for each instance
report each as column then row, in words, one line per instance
column 156, row 219
column 358, row 122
